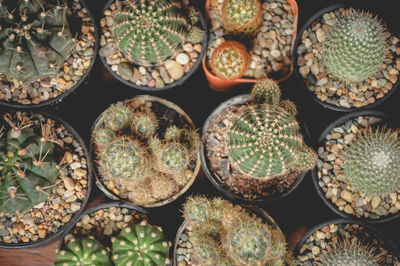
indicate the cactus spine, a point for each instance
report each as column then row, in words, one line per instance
column 195, row 35
column 241, row 16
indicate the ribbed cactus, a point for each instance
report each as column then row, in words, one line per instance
column 140, row 244
column 150, row 32
column 372, row 162
column 28, row 169
column 230, row 60
column 195, row 35
column 86, row 251
column 266, row 91
column 241, row 16
column 35, row 39
column 117, row 116
column 355, row 47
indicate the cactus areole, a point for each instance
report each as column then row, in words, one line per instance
column 35, row 39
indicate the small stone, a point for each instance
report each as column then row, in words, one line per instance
column 276, row 19
column 136, row 75
column 109, row 21
column 321, row 36
column 75, row 206
column 107, row 50
column 159, row 82
column 142, row 70
column 125, row 70
column 68, row 183
column 315, row 250
column 164, row 75
column 348, row 209
column 187, row 47
column 175, row 70
column 315, row 69
column 42, row 233
column 85, row 219
column 182, row 58
column 80, row 172
column 375, row 202
column 347, row 195
column 320, row 235
column 381, row 211
column 304, row 70
column 276, row 53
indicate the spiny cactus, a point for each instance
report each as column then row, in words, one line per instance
column 35, row 39
column 102, row 136
column 195, row 35
column 150, row 32
column 355, row 47
column 28, row 169
column 86, row 251
column 117, row 116
column 372, row 162
column 140, row 244
column 289, row 106
column 230, row 60
column 193, row 15
column 197, row 210
column 144, row 124
column 241, row 16
column 266, row 91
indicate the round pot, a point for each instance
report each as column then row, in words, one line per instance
column 258, row 211
column 321, row 139
column 50, row 238
column 167, row 86
column 82, row 82
column 234, row 101
column 388, row 244
column 300, row 79
column 220, row 84
column 113, row 196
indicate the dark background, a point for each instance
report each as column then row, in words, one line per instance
column 299, row 211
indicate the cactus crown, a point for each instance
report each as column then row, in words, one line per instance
column 150, row 32
column 35, row 39
column 27, row 169
column 241, row 16
column 195, row 35
column 372, row 162
column 355, row 47
column 266, row 90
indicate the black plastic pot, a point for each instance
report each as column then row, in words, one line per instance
column 50, row 238
column 340, row 121
column 388, row 244
column 300, row 79
column 168, row 86
column 240, row 100
column 82, row 82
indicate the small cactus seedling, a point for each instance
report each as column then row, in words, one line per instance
column 266, row 91
column 117, row 116
column 140, row 244
column 35, row 39
column 193, row 15
column 150, row 32
column 102, row 136
column 355, row 47
column 83, row 252
column 230, row 60
column 144, row 124
column 372, row 162
column 195, row 35
column 197, row 210
column 241, row 16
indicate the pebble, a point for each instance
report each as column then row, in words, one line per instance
column 108, row 50
column 125, row 71
column 175, row 70
column 182, row 58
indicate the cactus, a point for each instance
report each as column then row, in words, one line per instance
column 28, row 169
column 196, row 210
column 102, row 136
column 230, row 60
column 35, row 39
column 266, row 90
column 195, row 35
column 83, row 252
column 140, row 244
column 241, row 16
column 117, row 116
column 150, row 32
column 289, row 106
column 193, row 15
column 355, row 47
column 163, row 186
column 372, row 162
column 144, row 124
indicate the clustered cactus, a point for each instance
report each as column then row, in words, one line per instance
column 241, row 16
column 195, row 35
column 28, row 168
column 146, row 163
column 264, row 141
column 372, row 162
column 226, row 234
column 35, row 39
column 355, row 47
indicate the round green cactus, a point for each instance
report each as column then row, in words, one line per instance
column 372, row 162
column 35, row 39
column 150, row 32
column 205, row 249
column 197, row 209
column 144, row 124
column 266, row 91
column 28, row 170
column 117, row 116
column 355, row 47
column 140, row 244
column 195, row 35
column 241, row 16
column 102, row 136
column 86, row 251
column 172, row 158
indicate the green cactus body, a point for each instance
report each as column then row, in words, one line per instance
column 35, row 39
column 102, row 136
column 372, row 162
column 241, row 16
column 195, row 35
column 144, row 124
column 355, row 47
column 150, row 32
column 172, row 158
column 172, row 133
column 193, row 15
column 117, row 116
column 205, row 249
column 142, row 245
column 266, row 91
column 197, row 209
column 27, row 170
column 83, row 252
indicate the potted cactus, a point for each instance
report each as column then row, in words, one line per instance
column 346, row 58
column 216, row 232
column 345, row 242
column 268, row 30
column 45, row 173
column 356, row 173
column 152, row 45
column 146, row 151
column 114, row 234
column 47, row 50
column 252, row 146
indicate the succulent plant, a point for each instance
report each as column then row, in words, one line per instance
column 197, row 210
column 102, row 136
column 35, row 39
column 266, row 91
column 140, row 244
column 372, row 162
column 230, row 60
column 117, row 116
column 28, row 169
column 241, row 16
column 144, row 124
column 150, row 32
column 195, row 35
column 86, row 251
column 193, row 15
column 355, row 47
